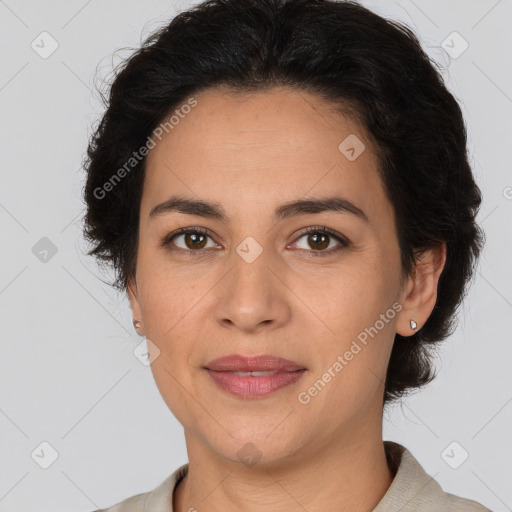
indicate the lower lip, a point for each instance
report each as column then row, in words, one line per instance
column 252, row 386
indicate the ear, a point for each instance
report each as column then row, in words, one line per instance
column 133, row 296
column 419, row 294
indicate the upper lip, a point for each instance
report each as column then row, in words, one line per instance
column 239, row 363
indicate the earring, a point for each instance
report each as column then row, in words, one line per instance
column 414, row 325
column 136, row 324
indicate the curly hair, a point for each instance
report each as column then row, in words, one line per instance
column 360, row 63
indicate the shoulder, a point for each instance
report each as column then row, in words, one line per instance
column 157, row 500
column 133, row 504
column 414, row 490
column 459, row 504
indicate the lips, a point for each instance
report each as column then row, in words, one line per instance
column 264, row 363
column 253, row 377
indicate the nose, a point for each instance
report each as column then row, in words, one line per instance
column 254, row 295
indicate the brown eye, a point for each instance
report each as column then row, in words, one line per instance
column 318, row 239
column 194, row 240
column 188, row 239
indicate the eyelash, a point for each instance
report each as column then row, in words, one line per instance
column 343, row 242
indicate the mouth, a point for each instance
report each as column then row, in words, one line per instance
column 253, row 377
column 265, row 363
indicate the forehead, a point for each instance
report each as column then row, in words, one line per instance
column 252, row 150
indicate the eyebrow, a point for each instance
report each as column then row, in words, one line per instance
column 291, row 209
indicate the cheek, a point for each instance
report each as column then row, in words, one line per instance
column 173, row 387
column 167, row 295
column 169, row 315
column 355, row 318
column 171, row 324
column 348, row 298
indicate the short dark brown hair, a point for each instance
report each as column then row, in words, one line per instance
column 373, row 67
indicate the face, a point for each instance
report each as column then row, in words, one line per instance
column 256, row 283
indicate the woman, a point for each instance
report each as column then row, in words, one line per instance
column 283, row 190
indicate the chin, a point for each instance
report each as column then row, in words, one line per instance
column 260, row 446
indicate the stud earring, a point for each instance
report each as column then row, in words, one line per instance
column 414, row 325
column 136, row 324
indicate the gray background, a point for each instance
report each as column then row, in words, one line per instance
column 68, row 373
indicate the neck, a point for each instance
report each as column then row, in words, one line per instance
column 349, row 473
